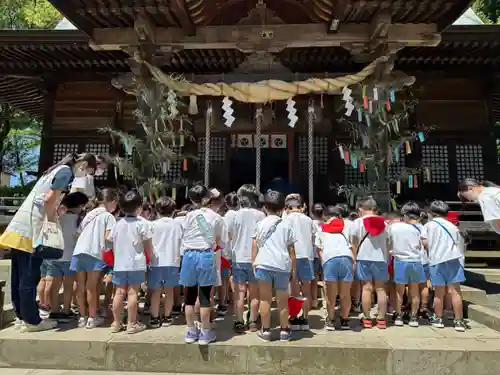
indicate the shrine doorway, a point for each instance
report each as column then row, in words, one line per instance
column 274, row 163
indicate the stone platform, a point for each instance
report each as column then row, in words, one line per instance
column 397, row 350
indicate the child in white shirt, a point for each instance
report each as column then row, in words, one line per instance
column 317, row 213
column 406, row 248
column 370, row 240
column 202, row 235
column 87, row 258
column 304, row 229
column 163, row 271
column 445, row 245
column 240, row 230
column 274, row 261
column 338, row 257
column 131, row 240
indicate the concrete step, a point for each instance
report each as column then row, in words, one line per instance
column 395, row 351
column 19, row 371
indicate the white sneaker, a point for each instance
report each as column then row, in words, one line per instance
column 94, row 322
column 44, row 325
column 44, row 314
column 82, row 322
column 18, row 323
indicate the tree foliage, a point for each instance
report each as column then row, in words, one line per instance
column 28, row 14
column 487, row 10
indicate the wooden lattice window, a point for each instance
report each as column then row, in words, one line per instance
column 436, row 157
column 397, row 166
column 320, row 152
column 174, row 166
column 469, row 162
column 217, row 151
column 63, row 149
column 99, row 149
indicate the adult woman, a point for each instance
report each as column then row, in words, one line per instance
column 42, row 202
column 487, row 194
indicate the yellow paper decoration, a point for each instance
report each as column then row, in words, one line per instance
column 174, row 193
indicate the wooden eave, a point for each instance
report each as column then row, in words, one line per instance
column 189, row 14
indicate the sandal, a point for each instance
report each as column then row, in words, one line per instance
column 117, row 327
column 367, row 322
column 239, row 327
column 381, row 324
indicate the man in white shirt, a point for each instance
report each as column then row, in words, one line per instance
column 445, row 246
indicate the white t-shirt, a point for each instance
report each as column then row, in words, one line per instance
column 193, row 237
column 128, row 238
column 316, row 224
column 167, row 237
column 304, row 229
column 334, row 244
column 92, row 231
column 242, row 228
column 489, row 200
column 273, row 255
column 69, row 227
column 373, row 248
column 442, row 246
column 228, row 218
column 406, row 243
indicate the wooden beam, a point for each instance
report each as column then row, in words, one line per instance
column 379, row 27
column 178, row 7
column 338, row 13
column 272, row 38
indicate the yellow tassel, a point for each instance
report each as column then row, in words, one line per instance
column 181, row 140
column 174, row 193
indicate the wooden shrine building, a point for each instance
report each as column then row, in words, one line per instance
column 64, row 77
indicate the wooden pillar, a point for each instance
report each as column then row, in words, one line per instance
column 46, row 142
column 116, row 148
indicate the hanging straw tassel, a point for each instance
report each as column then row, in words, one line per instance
column 193, row 105
column 208, row 129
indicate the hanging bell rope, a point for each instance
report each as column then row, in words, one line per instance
column 208, row 130
column 258, row 130
column 310, row 151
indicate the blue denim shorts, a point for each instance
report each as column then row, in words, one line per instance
column 129, row 277
column 338, row 269
column 280, row 279
column 86, row 263
column 59, row 269
column 163, row 276
column 371, row 271
column 304, row 271
column 408, row 272
column 243, row 273
column 318, row 268
column 427, row 272
column 43, row 268
column 450, row 272
column 226, row 272
column 198, row 268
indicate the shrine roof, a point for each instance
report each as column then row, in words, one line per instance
column 189, row 14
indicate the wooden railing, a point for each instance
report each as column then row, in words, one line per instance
column 8, row 208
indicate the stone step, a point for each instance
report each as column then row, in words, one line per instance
column 19, row 371
column 397, row 350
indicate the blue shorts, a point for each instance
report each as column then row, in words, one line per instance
column 408, row 272
column 243, row 273
column 427, row 272
column 226, row 272
column 43, row 268
column 198, row 268
column 59, row 269
column 338, row 269
column 163, row 276
column 318, row 268
column 367, row 270
column 108, row 270
column 281, row 279
column 128, row 277
column 86, row 263
column 304, row 271
column 450, row 272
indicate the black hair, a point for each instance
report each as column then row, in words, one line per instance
column 106, row 195
column 367, row 204
column 295, row 201
column 353, row 216
column 411, row 210
column 318, row 210
column 248, row 196
column 232, row 201
column 165, row 206
column 198, row 193
column 73, row 158
column 468, row 183
column 75, row 200
column 147, row 207
column 439, row 209
column 334, row 211
column 344, row 209
column 130, row 202
column 274, row 201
